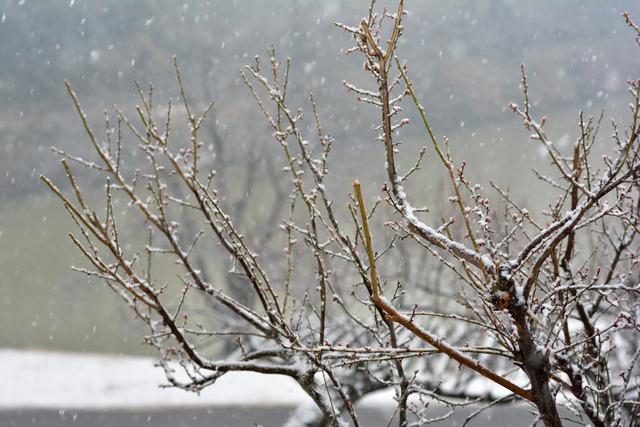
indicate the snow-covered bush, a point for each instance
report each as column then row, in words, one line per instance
column 492, row 305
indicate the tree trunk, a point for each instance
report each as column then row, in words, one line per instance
column 535, row 366
column 532, row 357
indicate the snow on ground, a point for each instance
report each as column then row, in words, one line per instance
column 56, row 380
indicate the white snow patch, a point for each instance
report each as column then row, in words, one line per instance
column 57, row 380
column 39, row 379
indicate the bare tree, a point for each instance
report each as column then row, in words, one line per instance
column 543, row 307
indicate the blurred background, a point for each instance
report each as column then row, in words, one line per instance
column 464, row 58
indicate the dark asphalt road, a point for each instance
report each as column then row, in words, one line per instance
column 503, row 416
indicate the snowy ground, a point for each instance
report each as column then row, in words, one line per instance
column 59, row 389
column 34, row 379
